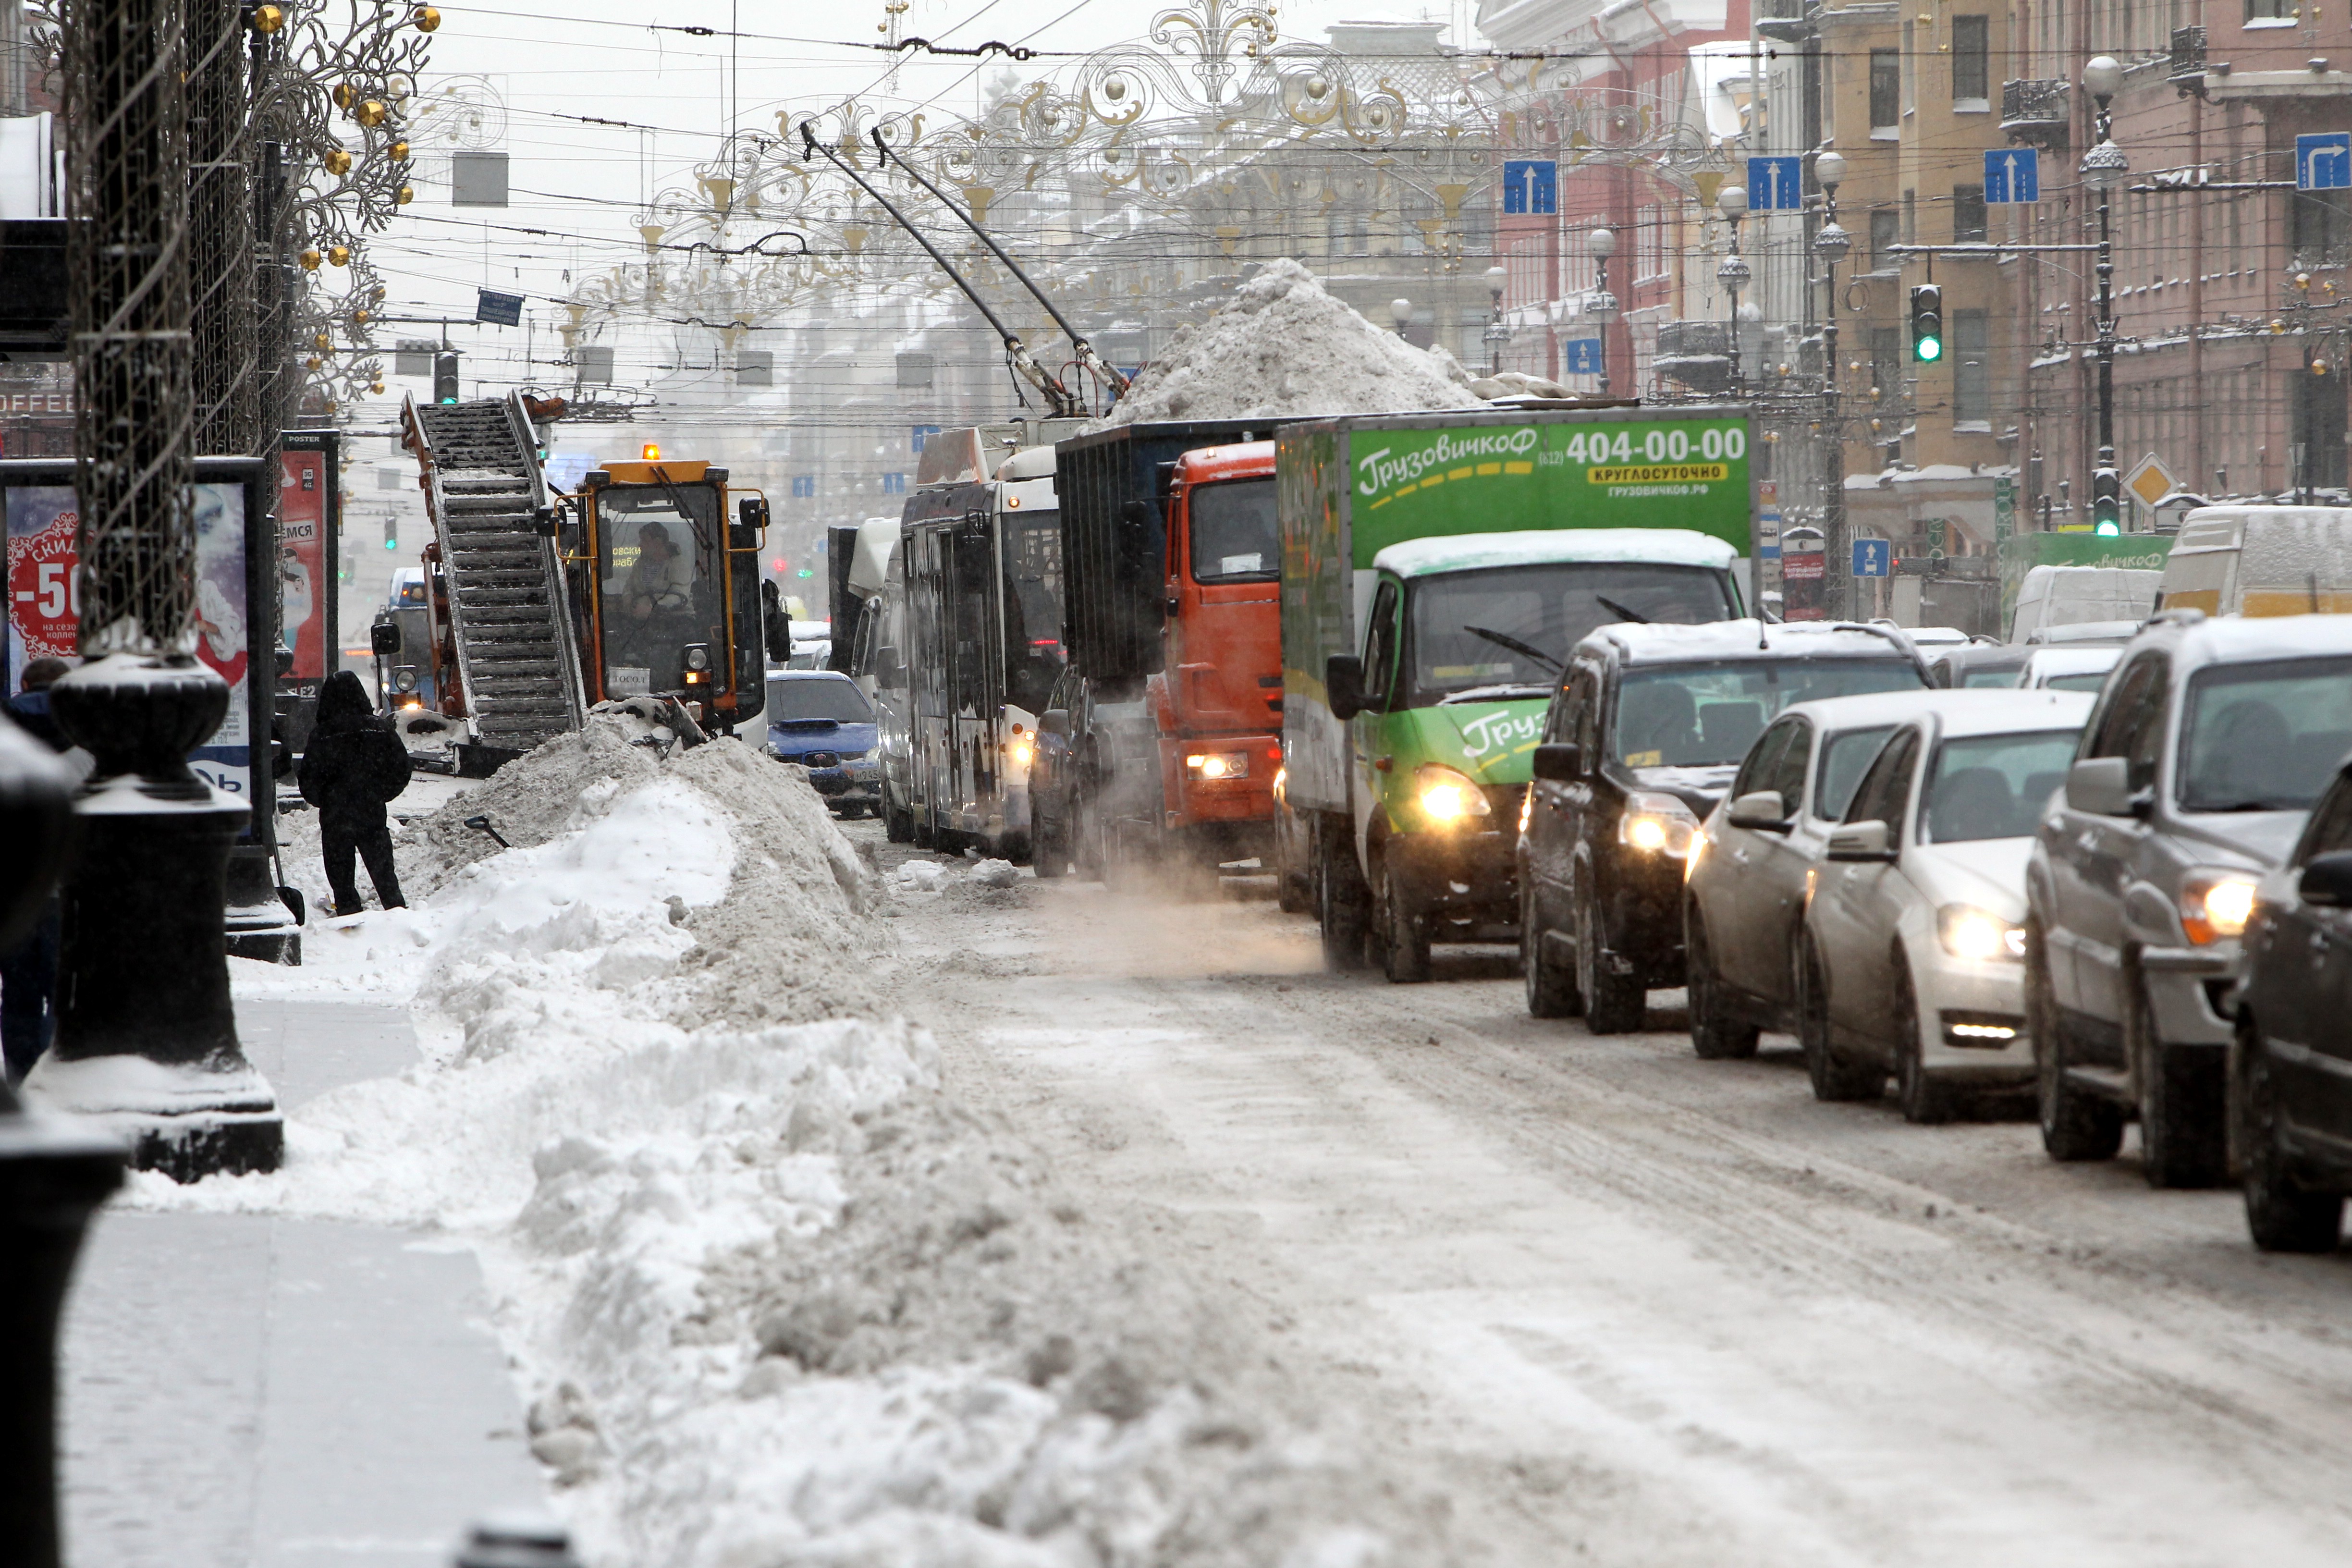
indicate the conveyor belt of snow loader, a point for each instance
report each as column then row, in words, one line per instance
column 517, row 657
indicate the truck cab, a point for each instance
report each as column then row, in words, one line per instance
column 1218, row 694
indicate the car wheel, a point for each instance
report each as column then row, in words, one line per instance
column 1835, row 1077
column 1716, row 1034
column 1404, row 936
column 2074, row 1125
column 1551, row 988
column 2280, row 1213
column 2183, row 1138
column 897, row 827
column 1048, row 856
column 1924, row 1101
column 1340, row 907
column 1614, row 1004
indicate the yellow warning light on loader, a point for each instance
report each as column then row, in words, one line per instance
column 653, row 452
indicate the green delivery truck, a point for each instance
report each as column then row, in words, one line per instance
column 1436, row 569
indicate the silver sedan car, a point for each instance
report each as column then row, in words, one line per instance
column 1911, row 960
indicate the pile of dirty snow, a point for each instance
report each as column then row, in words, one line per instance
column 1284, row 345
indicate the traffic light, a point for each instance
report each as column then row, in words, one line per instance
column 2106, row 503
column 391, row 533
column 444, row 377
column 1927, row 322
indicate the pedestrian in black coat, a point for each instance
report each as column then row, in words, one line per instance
column 352, row 766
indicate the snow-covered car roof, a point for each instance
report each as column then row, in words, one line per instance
column 2230, row 639
column 1661, row 643
column 2069, row 660
column 1837, row 713
column 1999, row 713
column 776, row 675
column 1549, row 546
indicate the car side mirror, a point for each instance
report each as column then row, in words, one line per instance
column 1860, row 841
column 1343, row 683
column 1761, row 809
column 1561, row 761
column 2101, row 786
column 1054, row 722
column 2327, row 880
column 383, row 638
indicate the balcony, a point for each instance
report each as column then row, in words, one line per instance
column 1783, row 21
column 2033, row 111
column 1696, row 353
column 2187, row 72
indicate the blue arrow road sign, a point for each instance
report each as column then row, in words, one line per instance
column 2323, row 162
column 2012, row 174
column 1776, row 183
column 1583, row 355
column 1531, row 186
column 1872, row 557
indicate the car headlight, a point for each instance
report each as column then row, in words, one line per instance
column 1969, row 932
column 1020, row 751
column 1218, row 764
column 1656, row 823
column 2215, row 904
column 1446, row 797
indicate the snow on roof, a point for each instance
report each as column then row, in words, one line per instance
column 1547, row 546
column 2064, row 660
column 2230, row 638
column 1966, row 712
column 1739, row 639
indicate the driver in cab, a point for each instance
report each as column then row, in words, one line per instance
column 659, row 578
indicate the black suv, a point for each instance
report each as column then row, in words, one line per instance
column 1642, row 738
column 2291, row 1059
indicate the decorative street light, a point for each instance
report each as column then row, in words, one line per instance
column 1400, row 313
column 2104, row 168
column 1831, row 244
column 1496, row 335
column 1601, row 305
column 1734, row 273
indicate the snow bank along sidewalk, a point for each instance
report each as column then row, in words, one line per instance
column 771, row 1297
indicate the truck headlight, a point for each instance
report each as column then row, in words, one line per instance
column 1446, row 797
column 404, row 679
column 1020, row 752
column 1969, row 932
column 2215, row 904
column 1218, row 764
column 1656, row 823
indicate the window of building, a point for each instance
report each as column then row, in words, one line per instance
column 1967, row 213
column 1886, row 362
column 1883, row 232
column 1971, row 369
column 1910, row 70
column 2319, row 228
column 1886, row 91
column 2271, row 10
column 1971, row 56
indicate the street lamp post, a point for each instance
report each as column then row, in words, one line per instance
column 1600, row 304
column 2103, row 169
column 1400, row 313
column 1831, row 244
column 1734, row 273
column 1497, row 334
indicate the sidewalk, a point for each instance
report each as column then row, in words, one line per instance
column 243, row 1392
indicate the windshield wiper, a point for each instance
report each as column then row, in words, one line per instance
column 1516, row 646
column 2251, row 805
column 1503, row 691
column 1620, row 611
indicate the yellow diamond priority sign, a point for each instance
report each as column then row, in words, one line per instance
column 2151, row 481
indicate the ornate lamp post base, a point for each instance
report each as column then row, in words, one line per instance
column 146, row 1043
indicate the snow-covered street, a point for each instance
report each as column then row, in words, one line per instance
column 1621, row 1305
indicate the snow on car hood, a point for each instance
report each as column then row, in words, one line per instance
column 1699, row 788
column 2260, row 838
column 1987, row 872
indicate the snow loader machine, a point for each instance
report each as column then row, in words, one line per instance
column 543, row 604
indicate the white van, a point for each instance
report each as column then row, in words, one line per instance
column 2053, row 596
column 2262, row 561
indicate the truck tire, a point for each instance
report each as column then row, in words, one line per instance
column 1339, row 908
column 1715, row 1034
column 2074, row 1125
column 898, row 825
column 1404, row 936
column 1835, row 1077
column 1086, row 841
column 2281, row 1214
column 2183, row 1138
column 1047, row 855
column 1614, row 1004
column 1552, row 987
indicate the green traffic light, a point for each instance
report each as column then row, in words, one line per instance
column 2108, row 529
column 1929, row 350
column 804, row 571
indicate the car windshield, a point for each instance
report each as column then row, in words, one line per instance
column 1993, row 786
column 1843, row 758
column 1706, row 715
column 1465, row 624
column 2090, row 682
column 1235, row 537
column 2264, row 737
column 791, row 700
column 1979, row 679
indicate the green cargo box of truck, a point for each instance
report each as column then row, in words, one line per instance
column 1436, row 569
